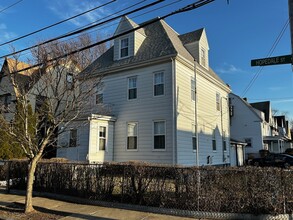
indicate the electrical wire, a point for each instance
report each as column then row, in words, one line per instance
column 60, row 22
column 279, row 37
column 85, row 29
column 113, row 24
column 15, row 3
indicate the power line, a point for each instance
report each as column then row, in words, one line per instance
column 189, row 7
column 15, row 3
column 279, row 37
column 131, row 6
column 60, row 22
column 85, row 29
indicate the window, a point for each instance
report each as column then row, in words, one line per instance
column 132, row 136
column 192, row 89
column 124, row 47
column 194, row 141
column 159, row 84
column 203, row 56
column 218, row 103
column 159, row 135
column 73, row 138
column 5, row 101
column 214, row 143
column 132, row 88
column 224, row 142
column 99, row 98
column 102, row 138
column 69, row 80
column 249, row 142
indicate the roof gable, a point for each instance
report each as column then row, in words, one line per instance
column 126, row 24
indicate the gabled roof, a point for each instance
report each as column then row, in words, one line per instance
column 127, row 24
column 265, row 107
column 161, row 41
column 191, row 36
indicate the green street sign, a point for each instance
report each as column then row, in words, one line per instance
column 272, row 61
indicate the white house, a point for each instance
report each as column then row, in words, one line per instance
column 254, row 124
column 159, row 101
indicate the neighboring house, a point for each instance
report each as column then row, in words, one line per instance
column 12, row 84
column 36, row 85
column 254, row 124
column 157, row 104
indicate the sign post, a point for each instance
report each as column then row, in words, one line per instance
column 272, row 61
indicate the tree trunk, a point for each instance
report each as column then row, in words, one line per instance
column 29, row 188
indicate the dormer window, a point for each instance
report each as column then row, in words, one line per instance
column 124, row 47
column 203, row 57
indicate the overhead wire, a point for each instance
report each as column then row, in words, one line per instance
column 84, row 29
column 189, row 7
column 15, row 3
column 113, row 24
column 276, row 42
column 57, row 23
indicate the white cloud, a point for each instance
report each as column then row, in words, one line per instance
column 68, row 8
column 229, row 68
column 5, row 35
column 277, row 88
column 286, row 100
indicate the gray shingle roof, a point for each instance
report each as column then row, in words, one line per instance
column 161, row 40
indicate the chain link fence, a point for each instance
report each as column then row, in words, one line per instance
column 206, row 189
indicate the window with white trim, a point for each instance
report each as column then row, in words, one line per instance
column 73, row 138
column 124, row 47
column 159, row 84
column 203, row 57
column 214, row 143
column 132, row 87
column 132, row 136
column 159, row 135
column 99, row 99
column 218, row 101
column 102, row 137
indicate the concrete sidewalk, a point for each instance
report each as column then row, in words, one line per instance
column 78, row 211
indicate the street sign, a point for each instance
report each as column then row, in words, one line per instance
column 272, row 61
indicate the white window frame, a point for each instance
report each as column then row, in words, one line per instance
column 106, row 138
column 121, row 48
column 218, row 101
column 203, row 56
column 129, row 87
column 214, row 140
column 70, row 137
column 165, row 126
column 99, row 93
column 127, row 124
column 154, row 83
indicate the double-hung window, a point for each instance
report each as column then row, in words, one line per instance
column 102, row 138
column 214, row 143
column 132, row 87
column 218, row 101
column 159, row 135
column 124, row 47
column 73, row 138
column 159, row 84
column 132, row 136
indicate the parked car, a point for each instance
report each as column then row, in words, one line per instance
column 274, row 160
column 289, row 151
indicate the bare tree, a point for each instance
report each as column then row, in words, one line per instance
column 47, row 99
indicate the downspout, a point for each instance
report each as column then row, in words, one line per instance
column 195, row 114
column 174, row 113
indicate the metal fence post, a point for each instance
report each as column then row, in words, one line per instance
column 8, row 177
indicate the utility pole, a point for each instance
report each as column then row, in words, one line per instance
column 290, row 7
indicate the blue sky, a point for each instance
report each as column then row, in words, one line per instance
column 237, row 32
